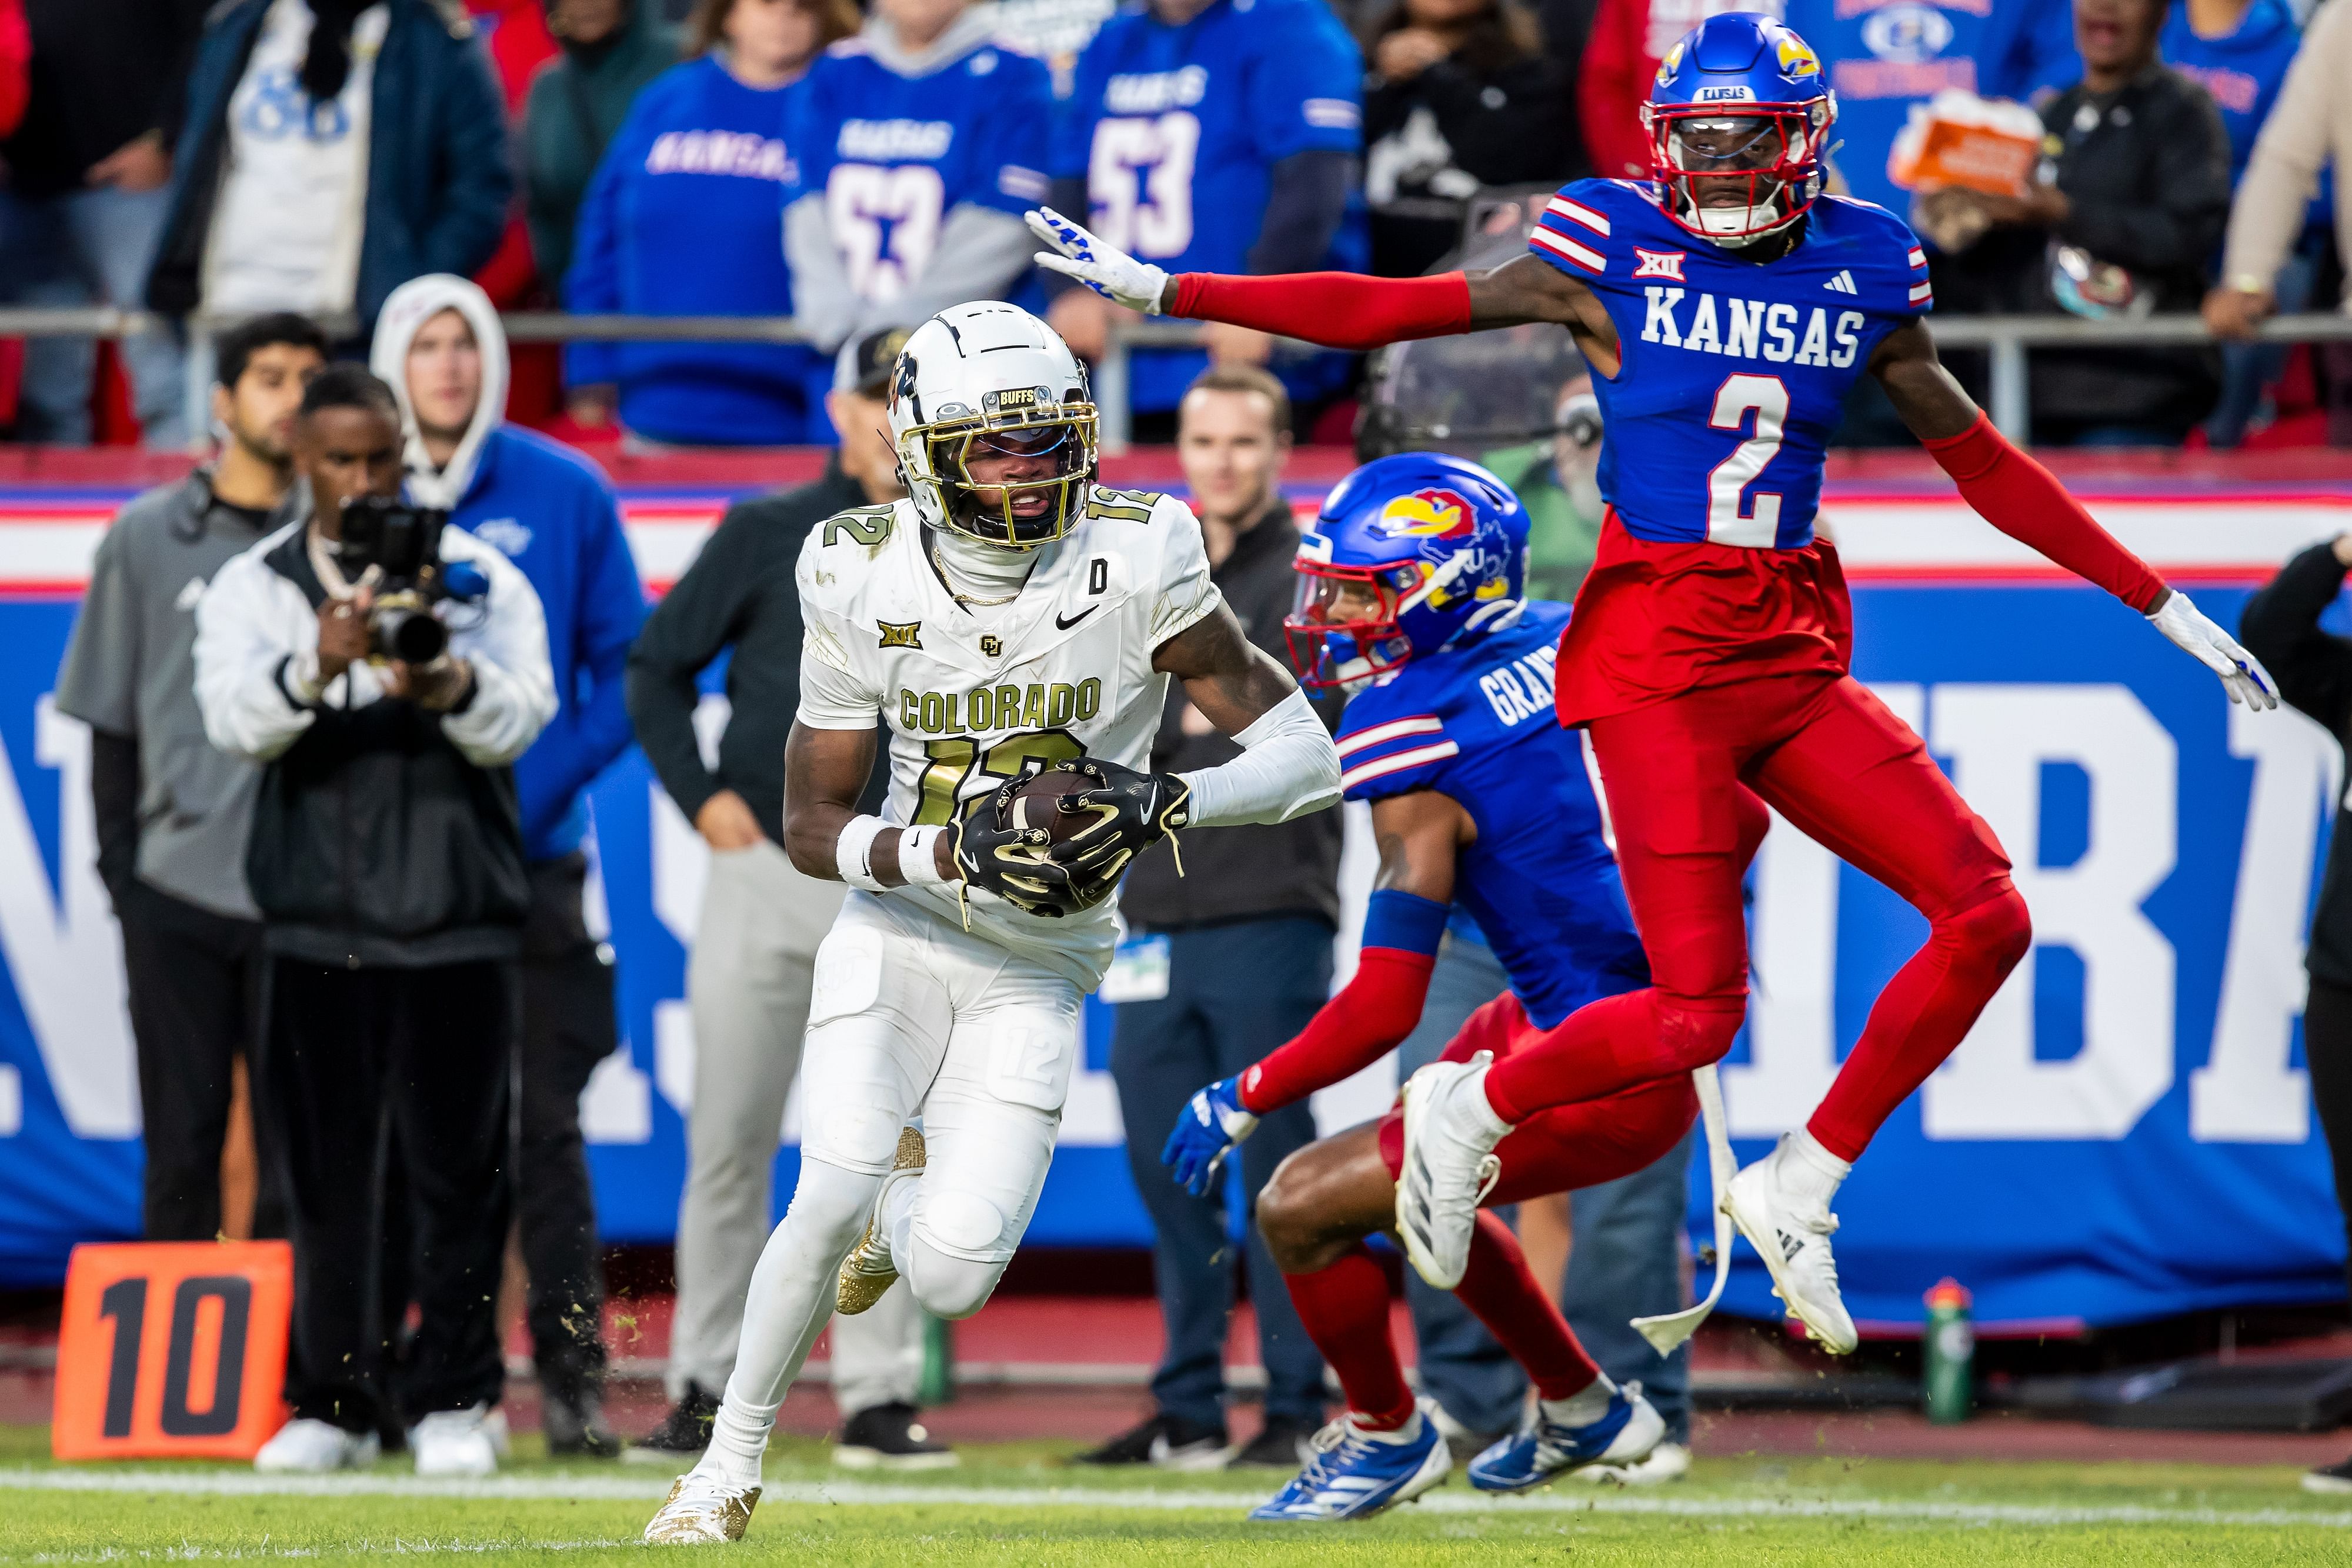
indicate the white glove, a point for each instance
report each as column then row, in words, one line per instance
column 2242, row 675
column 1107, row 269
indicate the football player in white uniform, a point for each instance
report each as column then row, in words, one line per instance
column 1010, row 615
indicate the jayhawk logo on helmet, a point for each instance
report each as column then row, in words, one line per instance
column 1426, row 514
column 1797, row 57
column 1409, row 554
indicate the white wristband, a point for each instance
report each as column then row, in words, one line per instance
column 854, row 850
column 918, row 856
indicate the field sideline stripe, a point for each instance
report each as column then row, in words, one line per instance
column 856, row 1494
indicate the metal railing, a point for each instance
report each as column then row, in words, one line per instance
column 2006, row 338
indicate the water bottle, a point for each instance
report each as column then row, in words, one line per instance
column 1950, row 1349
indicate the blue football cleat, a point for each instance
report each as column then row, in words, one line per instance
column 1355, row 1475
column 1624, row 1434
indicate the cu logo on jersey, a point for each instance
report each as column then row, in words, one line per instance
column 1426, row 514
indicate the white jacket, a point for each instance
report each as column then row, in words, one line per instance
column 258, row 620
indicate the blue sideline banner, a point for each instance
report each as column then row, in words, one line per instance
column 2128, row 1132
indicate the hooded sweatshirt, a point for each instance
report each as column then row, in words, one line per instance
column 554, row 515
column 681, row 219
column 576, row 105
column 2242, row 69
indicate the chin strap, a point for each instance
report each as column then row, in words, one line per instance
column 1669, row 1330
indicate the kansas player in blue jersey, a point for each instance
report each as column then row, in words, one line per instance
column 1727, row 308
column 913, row 153
column 1410, row 600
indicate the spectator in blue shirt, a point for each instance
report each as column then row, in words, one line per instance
column 1217, row 137
column 680, row 220
column 551, row 512
column 2239, row 51
column 917, row 145
column 1882, row 60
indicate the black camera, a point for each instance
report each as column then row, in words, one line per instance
column 396, row 549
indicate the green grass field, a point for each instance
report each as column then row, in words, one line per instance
column 1019, row 1503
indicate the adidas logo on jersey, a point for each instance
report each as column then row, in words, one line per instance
column 1752, row 329
column 1842, row 284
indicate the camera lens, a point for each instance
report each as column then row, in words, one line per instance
column 411, row 636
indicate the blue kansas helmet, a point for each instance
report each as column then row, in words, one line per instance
column 1738, row 121
column 1409, row 553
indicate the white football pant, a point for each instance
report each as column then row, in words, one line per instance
column 912, row 1016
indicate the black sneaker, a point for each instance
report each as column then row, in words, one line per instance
column 1165, row 1441
column 575, row 1427
column 889, row 1437
column 2334, row 1479
column 683, row 1435
column 1282, row 1445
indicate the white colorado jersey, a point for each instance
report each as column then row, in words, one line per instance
column 973, row 698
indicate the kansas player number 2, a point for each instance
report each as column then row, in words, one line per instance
column 1756, row 526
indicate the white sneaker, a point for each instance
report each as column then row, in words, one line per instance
column 457, row 1442
column 1792, row 1236
column 703, row 1511
column 305, row 1446
column 1667, row 1462
column 1448, row 1166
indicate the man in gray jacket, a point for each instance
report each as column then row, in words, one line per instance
column 172, row 812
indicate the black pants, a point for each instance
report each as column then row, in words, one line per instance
column 568, row 1026
column 361, row 1068
column 1235, row 993
column 2328, row 1050
column 195, row 981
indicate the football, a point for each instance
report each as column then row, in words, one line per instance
column 1035, row 798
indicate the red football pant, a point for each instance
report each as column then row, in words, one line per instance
column 1850, row 774
column 1345, row 1308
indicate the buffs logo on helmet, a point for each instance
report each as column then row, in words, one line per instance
column 992, row 381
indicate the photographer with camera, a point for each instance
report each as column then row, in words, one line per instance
column 554, row 515
column 387, row 671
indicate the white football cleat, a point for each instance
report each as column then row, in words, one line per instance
column 307, row 1447
column 1667, row 1462
column 1448, row 1166
column 458, row 1442
column 1792, row 1235
column 703, row 1511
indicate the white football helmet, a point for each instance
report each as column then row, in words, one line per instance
column 991, row 380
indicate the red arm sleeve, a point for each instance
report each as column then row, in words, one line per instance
column 1373, row 1012
column 1338, row 310
column 2025, row 501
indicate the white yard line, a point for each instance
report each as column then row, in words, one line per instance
column 868, row 1494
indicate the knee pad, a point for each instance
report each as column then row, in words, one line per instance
column 1693, row 1031
column 1997, row 929
column 949, row 1283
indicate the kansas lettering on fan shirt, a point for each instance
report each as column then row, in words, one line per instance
column 892, row 155
column 1474, row 722
column 1734, row 373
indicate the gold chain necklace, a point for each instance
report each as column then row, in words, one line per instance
column 966, row 600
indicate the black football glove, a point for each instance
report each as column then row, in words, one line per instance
column 1132, row 811
column 1012, row 862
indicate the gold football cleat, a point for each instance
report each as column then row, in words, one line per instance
column 702, row 1513
column 869, row 1269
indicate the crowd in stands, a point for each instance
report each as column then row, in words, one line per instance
column 855, row 170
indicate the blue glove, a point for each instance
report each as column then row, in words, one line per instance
column 1210, row 1124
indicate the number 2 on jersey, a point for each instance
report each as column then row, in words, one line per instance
column 1766, row 397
